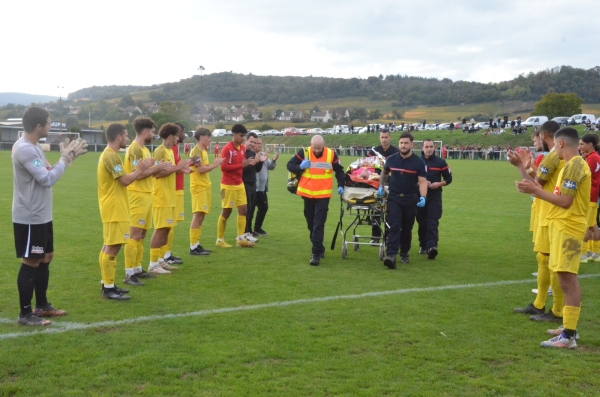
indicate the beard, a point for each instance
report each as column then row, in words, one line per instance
column 405, row 151
column 545, row 147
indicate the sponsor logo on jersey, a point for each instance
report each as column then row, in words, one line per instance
column 544, row 170
column 118, row 168
column 135, row 163
column 37, row 163
column 37, row 250
column 570, row 184
column 556, row 190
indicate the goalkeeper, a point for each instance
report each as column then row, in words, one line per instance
column 33, row 178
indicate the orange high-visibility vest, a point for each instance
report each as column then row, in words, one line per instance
column 317, row 180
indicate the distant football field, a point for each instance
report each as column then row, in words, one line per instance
column 261, row 321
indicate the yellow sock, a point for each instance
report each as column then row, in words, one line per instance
column 109, row 268
column 558, row 296
column 221, row 225
column 170, row 238
column 100, row 259
column 195, row 235
column 590, row 246
column 596, row 246
column 131, row 253
column 140, row 253
column 584, row 248
column 571, row 317
column 154, row 254
column 543, row 281
column 241, row 225
column 162, row 252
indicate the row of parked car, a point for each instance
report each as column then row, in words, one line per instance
column 533, row 121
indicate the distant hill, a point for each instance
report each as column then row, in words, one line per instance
column 399, row 90
column 18, row 98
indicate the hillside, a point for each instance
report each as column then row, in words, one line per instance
column 398, row 90
column 17, row 98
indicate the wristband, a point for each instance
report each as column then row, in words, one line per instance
column 529, row 170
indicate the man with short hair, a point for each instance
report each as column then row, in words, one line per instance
column 262, row 187
column 114, row 206
column 249, row 179
column 315, row 187
column 33, row 178
column 163, row 199
column 567, row 228
column 407, row 190
column 140, row 199
column 200, row 188
column 233, row 193
column 385, row 149
column 179, row 200
column 547, row 176
column 428, row 217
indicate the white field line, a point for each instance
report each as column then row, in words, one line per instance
column 60, row 327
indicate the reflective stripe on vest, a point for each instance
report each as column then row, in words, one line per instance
column 317, row 181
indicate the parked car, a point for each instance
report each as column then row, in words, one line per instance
column 582, row 118
column 219, row 132
column 360, row 130
column 329, row 131
column 561, row 120
column 316, row 131
column 290, row 131
column 534, row 121
column 302, row 131
column 484, row 125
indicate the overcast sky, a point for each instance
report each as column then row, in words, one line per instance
column 50, row 44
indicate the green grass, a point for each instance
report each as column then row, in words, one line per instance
column 445, row 342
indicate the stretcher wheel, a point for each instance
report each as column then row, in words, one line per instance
column 356, row 246
column 344, row 250
column 381, row 252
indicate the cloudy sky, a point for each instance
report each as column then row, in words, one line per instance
column 60, row 43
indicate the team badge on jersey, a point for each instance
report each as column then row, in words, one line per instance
column 135, row 163
column 37, row 163
column 118, row 168
column 544, row 170
column 570, row 184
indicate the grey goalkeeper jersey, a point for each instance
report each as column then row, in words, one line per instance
column 33, row 178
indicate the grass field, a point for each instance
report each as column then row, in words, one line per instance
column 262, row 321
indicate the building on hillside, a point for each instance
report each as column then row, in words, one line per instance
column 287, row 115
column 237, row 116
column 339, row 113
column 322, row 117
column 131, row 109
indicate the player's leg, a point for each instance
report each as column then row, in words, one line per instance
column 163, row 222
column 240, row 202
column 227, row 204
column 201, row 203
column 262, row 206
column 115, row 235
column 43, row 308
column 179, row 216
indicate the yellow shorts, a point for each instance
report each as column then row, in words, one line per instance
column 140, row 210
column 592, row 214
column 201, row 201
column 542, row 240
column 163, row 217
column 179, row 211
column 565, row 251
column 533, row 221
column 233, row 196
column 115, row 233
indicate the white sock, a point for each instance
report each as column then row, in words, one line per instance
column 167, row 254
column 129, row 272
column 193, row 246
column 152, row 265
column 137, row 270
column 109, row 286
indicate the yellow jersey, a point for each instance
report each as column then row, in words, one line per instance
column 199, row 182
column 112, row 196
column 575, row 180
column 163, row 193
column 135, row 153
column 548, row 171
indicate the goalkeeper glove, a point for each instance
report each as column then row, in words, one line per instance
column 70, row 151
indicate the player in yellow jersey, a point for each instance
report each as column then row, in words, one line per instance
column 140, row 199
column 547, row 174
column 163, row 199
column 567, row 228
column 200, row 188
column 114, row 206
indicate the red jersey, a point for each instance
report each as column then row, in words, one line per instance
column 216, row 149
column 178, row 177
column 593, row 160
column 232, row 166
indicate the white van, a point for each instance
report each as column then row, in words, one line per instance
column 582, row 118
column 535, row 121
column 219, row 132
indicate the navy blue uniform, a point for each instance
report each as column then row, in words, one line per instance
column 376, row 221
column 402, row 200
column 429, row 216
